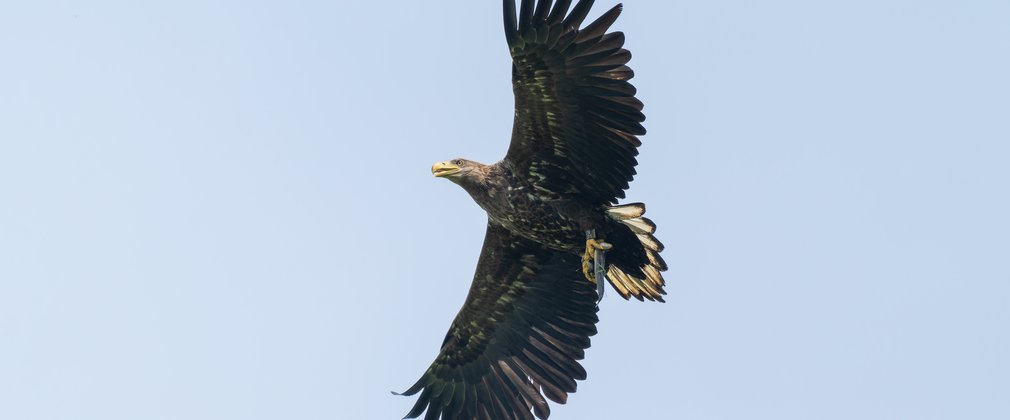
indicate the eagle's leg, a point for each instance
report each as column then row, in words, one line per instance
column 587, row 262
column 594, row 264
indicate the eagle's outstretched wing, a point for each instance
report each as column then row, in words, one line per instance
column 518, row 338
column 576, row 115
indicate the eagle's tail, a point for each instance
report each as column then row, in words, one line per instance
column 635, row 267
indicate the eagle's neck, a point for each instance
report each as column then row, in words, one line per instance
column 485, row 185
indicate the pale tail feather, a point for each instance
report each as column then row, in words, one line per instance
column 650, row 287
column 626, row 211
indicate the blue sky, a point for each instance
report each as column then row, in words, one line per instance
column 223, row 210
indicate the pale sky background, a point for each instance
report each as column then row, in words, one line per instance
column 223, row 209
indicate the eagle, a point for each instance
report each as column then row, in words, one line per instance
column 555, row 232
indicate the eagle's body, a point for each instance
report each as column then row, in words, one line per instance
column 557, row 223
column 532, row 306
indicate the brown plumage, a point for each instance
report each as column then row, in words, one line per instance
column 526, row 322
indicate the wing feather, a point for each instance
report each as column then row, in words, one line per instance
column 518, row 339
column 577, row 118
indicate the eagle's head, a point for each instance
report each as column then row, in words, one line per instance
column 459, row 170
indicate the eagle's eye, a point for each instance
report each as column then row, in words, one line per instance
column 459, row 162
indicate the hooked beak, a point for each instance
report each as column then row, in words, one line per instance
column 444, row 169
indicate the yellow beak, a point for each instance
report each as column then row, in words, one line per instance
column 443, row 169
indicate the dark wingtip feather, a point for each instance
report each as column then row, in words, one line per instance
column 542, row 9
column 525, row 14
column 419, row 406
column 559, row 11
column 579, row 13
column 433, row 413
column 511, row 25
column 601, row 24
column 413, row 388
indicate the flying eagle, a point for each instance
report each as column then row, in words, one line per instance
column 552, row 217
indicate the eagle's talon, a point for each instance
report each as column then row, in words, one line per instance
column 587, row 267
column 594, row 244
column 587, row 261
column 589, row 258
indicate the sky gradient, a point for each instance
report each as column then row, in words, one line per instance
column 223, row 209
